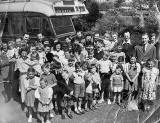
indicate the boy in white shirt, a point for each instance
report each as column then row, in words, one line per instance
column 104, row 69
column 79, row 87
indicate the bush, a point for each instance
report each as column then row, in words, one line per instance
column 86, row 22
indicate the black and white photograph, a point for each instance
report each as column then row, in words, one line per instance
column 79, row 61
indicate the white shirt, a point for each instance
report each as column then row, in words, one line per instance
column 104, row 65
column 78, row 77
column 59, row 53
column 146, row 46
column 128, row 42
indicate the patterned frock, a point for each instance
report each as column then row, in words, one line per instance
column 44, row 94
column 149, row 80
column 30, row 94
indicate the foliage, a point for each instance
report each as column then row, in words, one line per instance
column 86, row 22
column 106, row 6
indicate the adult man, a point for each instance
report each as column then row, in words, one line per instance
column 114, row 42
column 127, row 46
column 40, row 37
column 145, row 51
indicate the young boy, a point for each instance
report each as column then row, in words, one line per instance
column 79, row 87
column 104, row 70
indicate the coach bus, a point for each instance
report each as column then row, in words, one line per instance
column 53, row 18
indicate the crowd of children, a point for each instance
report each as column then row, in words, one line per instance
column 81, row 72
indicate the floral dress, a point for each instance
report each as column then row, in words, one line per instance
column 149, row 80
column 44, row 94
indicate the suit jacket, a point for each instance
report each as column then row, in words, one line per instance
column 142, row 56
column 128, row 49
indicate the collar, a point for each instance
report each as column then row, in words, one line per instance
column 146, row 44
column 128, row 42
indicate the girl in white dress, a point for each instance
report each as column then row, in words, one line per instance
column 149, row 80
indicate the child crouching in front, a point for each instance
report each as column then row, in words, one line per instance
column 44, row 95
column 117, row 84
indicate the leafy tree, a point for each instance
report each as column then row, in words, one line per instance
column 86, row 22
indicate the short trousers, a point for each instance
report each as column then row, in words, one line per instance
column 117, row 89
column 79, row 90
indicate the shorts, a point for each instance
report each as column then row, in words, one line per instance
column 88, row 96
column 79, row 90
column 117, row 89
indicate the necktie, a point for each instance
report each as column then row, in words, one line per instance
column 144, row 48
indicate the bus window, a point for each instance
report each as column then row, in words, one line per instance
column 7, row 30
column 3, row 17
column 46, row 28
column 62, row 25
column 33, row 25
column 18, row 24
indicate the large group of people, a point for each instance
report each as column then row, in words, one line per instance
column 78, row 74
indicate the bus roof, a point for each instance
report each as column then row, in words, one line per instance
column 46, row 7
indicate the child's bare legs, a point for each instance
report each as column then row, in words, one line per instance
column 47, row 117
column 86, row 105
column 42, row 117
column 30, row 111
column 102, row 98
column 76, row 106
column 80, row 104
column 51, row 113
column 119, row 97
column 114, row 97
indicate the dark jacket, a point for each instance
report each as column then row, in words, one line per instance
column 150, row 53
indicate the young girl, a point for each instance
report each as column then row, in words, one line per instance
column 149, row 80
column 132, row 71
column 117, row 84
column 94, row 83
column 44, row 95
column 31, row 84
column 49, row 78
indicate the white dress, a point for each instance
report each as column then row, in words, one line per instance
column 149, row 80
